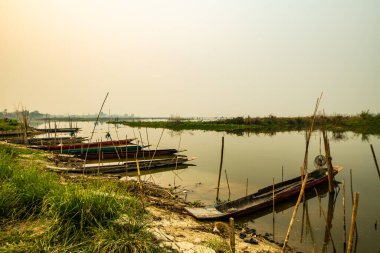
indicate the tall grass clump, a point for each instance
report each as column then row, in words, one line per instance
column 125, row 236
column 22, row 188
column 96, row 217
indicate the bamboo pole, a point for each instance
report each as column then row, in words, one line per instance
column 93, row 130
column 176, row 161
column 374, row 158
column 126, row 157
column 232, row 234
column 328, row 157
column 282, row 173
column 344, row 215
column 273, row 211
column 228, row 185
column 220, row 170
column 305, row 177
column 353, row 222
column 246, row 188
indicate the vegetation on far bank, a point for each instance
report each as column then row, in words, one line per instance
column 363, row 123
column 9, row 124
column 42, row 212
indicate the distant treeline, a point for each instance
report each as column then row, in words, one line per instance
column 9, row 124
column 38, row 115
column 363, row 123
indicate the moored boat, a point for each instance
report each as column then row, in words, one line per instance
column 84, row 145
column 117, row 167
column 99, row 150
column 143, row 153
column 263, row 198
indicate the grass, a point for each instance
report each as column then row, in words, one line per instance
column 363, row 123
column 219, row 245
column 85, row 216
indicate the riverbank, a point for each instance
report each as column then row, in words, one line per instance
column 364, row 123
column 44, row 211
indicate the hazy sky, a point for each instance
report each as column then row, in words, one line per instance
column 190, row 58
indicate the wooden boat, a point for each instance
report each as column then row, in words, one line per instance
column 97, row 150
column 84, row 145
column 262, row 198
column 59, row 130
column 125, row 166
column 143, row 153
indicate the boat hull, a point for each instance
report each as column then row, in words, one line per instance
column 259, row 200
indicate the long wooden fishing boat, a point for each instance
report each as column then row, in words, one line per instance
column 124, row 166
column 84, row 145
column 263, row 198
column 143, row 153
column 59, row 130
column 99, row 150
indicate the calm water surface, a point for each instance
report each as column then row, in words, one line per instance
column 259, row 159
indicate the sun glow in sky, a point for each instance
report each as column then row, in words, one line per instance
column 190, row 58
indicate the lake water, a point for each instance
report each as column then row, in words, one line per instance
column 259, row 159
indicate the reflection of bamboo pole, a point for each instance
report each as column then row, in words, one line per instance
column 353, row 222
column 303, row 217
column 344, row 215
column 329, row 218
column 304, row 179
column 232, row 234
column 374, row 158
column 220, row 170
column 308, row 223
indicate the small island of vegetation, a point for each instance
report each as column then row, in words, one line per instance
column 363, row 123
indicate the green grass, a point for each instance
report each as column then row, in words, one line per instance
column 85, row 216
column 363, row 123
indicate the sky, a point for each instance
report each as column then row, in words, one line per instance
column 201, row 58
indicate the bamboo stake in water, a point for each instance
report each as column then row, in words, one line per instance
column 246, row 188
column 273, row 211
column 353, row 222
column 374, row 158
column 282, row 174
column 344, row 215
column 232, row 234
column 126, row 157
column 228, row 185
column 304, row 179
column 220, row 170
column 328, row 157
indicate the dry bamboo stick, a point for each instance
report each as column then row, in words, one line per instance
column 353, row 222
column 374, row 158
column 232, row 235
column 273, row 209
column 328, row 157
column 304, row 179
column 228, row 185
column 220, row 170
column 93, row 130
column 344, row 215
column 246, row 188
column 282, row 174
